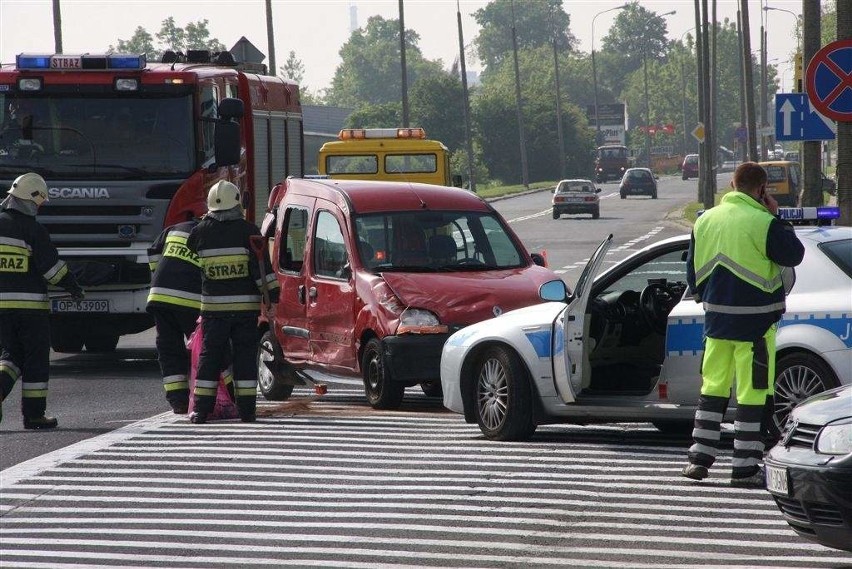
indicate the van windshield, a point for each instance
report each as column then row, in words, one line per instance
column 435, row 241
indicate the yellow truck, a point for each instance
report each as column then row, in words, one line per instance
column 395, row 154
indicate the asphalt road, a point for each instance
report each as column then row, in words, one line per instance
column 92, row 394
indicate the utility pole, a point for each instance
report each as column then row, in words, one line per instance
column 57, row 27
column 709, row 150
column 702, row 79
column 741, row 148
column 468, row 137
column 751, row 125
column 764, row 155
column 559, row 135
column 270, row 39
column 811, row 162
column 518, row 102
column 402, row 63
column 844, row 129
column 713, row 113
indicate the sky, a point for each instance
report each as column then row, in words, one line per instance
column 317, row 29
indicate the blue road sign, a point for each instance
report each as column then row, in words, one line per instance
column 796, row 119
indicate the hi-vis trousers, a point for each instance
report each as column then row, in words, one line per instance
column 752, row 366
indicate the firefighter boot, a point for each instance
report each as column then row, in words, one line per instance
column 197, row 418
column 40, row 422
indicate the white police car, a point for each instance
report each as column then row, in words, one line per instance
column 628, row 344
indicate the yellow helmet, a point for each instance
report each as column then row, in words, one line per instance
column 223, row 195
column 30, row 187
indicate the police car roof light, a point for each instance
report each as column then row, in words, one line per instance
column 808, row 213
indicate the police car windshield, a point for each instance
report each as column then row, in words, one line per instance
column 84, row 137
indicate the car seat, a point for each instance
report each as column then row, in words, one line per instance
column 442, row 249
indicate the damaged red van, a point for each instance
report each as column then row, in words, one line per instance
column 375, row 276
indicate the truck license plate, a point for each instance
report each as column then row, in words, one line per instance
column 64, row 305
column 777, row 481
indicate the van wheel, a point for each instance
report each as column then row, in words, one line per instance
column 381, row 392
column 271, row 385
column 503, row 398
column 797, row 377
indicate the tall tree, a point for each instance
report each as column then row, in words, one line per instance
column 532, row 23
column 369, row 71
column 293, row 68
column 636, row 33
column 195, row 35
column 844, row 129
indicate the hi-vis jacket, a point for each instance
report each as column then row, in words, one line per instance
column 28, row 261
column 231, row 280
column 176, row 278
column 734, row 267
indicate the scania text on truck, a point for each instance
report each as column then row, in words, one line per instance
column 392, row 154
column 128, row 148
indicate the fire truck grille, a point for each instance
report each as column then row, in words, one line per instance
column 57, row 210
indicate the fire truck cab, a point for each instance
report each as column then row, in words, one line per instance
column 129, row 148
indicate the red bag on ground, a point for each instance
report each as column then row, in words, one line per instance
column 225, row 408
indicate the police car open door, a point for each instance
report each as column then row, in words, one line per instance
column 570, row 327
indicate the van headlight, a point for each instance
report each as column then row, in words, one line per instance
column 420, row 321
column 836, row 438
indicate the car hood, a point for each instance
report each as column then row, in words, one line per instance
column 825, row 407
column 465, row 298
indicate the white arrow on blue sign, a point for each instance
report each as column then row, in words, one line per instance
column 796, row 119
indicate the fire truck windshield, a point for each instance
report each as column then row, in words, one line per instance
column 85, row 137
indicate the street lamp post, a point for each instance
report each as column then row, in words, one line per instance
column 683, row 91
column 647, row 99
column 595, row 72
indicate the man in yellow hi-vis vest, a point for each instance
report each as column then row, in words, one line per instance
column 734, row 267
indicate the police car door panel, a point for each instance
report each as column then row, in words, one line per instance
column 331, row 291
column 291, row 322
column 568, row 338
column 681, row 371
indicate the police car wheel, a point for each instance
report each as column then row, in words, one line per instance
column 798, row 376
column 503, row 396
column 381, row 391
column 268, row 356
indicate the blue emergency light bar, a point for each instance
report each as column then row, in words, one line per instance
column 818, row 213
column 60, row 62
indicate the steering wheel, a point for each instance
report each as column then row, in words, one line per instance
column 655, row 302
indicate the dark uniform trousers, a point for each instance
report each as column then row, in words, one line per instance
column 241, row 333
column 25, row 354
column 173, row 329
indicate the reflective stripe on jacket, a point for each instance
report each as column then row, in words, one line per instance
column 28, row 261
column 739, row 285
column 230, row 278
column 176, row 278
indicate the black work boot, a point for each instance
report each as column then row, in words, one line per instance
column 40, row 422
column 197, row 418
column 179, row 407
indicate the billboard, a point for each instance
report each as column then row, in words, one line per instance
column 612, row 122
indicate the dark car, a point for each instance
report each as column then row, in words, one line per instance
column 689, row 168
column 638, row 182
column 809, row 472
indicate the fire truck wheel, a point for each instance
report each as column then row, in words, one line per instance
column 381, row 391
column 269, row 357
column 65, row 339
column 101, row 342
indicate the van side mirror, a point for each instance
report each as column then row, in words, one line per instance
column 597, row 190
column 538, row 259
column 457, row 181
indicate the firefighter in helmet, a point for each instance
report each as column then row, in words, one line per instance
column 174, row 301
column 231, row 284
column 28, row 261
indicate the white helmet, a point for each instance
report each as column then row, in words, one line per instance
column 223, row 195
column 30, row 187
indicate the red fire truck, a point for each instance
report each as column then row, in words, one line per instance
column 129, row 147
